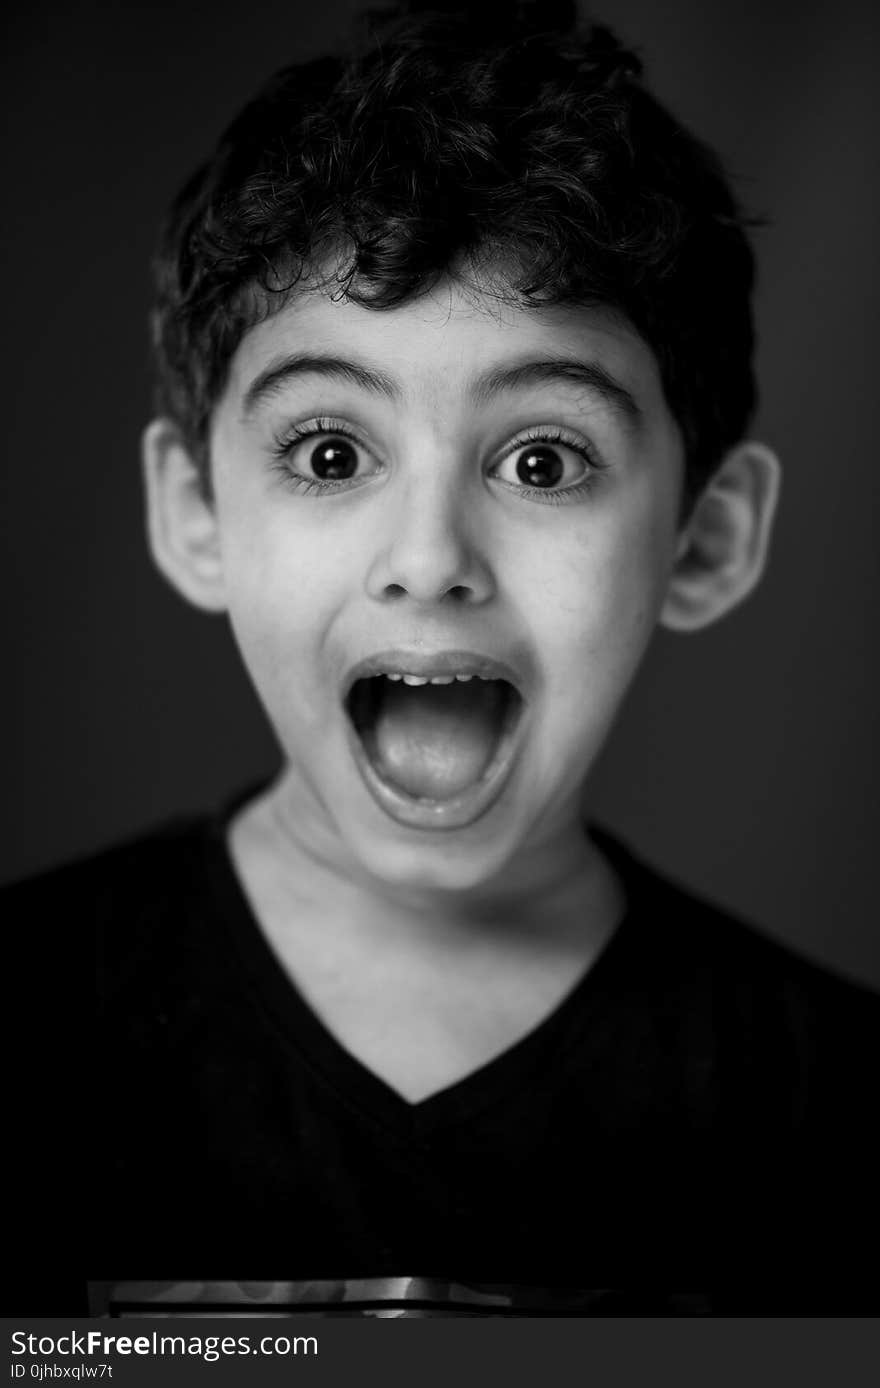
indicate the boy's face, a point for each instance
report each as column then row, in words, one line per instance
column 504, row 488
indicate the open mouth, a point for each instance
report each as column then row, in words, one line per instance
column 434, row 748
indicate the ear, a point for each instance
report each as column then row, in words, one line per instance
column 723, row 545
column 181, row 520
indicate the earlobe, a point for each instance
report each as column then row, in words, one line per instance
column 723, row 547
column 181, row 522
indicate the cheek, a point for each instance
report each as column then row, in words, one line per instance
column 596, row 608
column 598, row 592
column 283, row 591
column 279, row 560
column 279, row 574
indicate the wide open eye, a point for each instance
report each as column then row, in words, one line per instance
column 322, row 455
column 545, row 464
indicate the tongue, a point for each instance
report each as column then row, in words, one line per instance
column 434, row 741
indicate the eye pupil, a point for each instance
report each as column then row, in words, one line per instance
column 334, row 460
column 539, row 466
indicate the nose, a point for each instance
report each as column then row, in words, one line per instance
column 432, row 549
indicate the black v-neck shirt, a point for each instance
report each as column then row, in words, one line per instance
column 691, row 1130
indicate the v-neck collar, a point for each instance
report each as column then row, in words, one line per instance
column 356, row 1085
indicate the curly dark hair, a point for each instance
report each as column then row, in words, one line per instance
column 445, row 144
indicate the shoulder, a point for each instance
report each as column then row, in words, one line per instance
column 752, row 968
column 63, row 915
column 157, row 839
column 696, row 931
column 121, row 869
column 756, row 993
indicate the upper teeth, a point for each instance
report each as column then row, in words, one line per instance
column 433, row 679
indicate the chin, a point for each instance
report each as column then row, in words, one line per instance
column 447, row 862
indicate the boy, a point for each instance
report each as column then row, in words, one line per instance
column 454, row 352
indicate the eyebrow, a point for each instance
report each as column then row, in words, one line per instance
column 561, row 371
column 485, row 387
column 278, row 373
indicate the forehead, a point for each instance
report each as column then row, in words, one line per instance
column 452, row 348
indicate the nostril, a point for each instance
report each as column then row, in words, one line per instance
column 459, row 592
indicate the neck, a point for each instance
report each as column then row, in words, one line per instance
column 551, row 892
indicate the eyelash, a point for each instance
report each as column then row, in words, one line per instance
column 562, row 496
column 298, row 433
column 316, row 428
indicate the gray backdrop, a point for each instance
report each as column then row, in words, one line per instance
column 743, row 762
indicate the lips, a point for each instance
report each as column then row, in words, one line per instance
column 434, row 735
